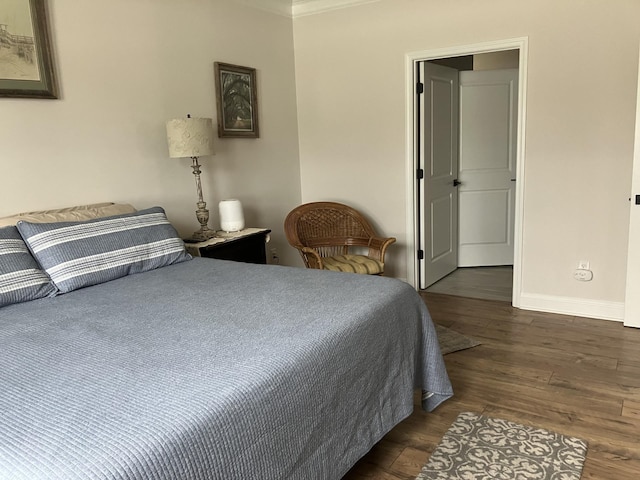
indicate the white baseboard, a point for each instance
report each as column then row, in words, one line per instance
column 580, row 307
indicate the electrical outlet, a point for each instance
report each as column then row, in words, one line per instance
column 275, row 259
column 583, row 265
column 583, row 275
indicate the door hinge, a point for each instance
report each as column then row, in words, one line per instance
column 419, row 88
column 420, row 254
column 420, row 174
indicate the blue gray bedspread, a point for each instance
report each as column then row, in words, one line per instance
column 211, row 370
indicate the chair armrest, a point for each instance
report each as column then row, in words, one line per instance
column 378, row 247
column 311, row 258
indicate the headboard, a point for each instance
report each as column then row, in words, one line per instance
column 70, row 214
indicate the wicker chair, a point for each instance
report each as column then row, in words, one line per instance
column 328, row 235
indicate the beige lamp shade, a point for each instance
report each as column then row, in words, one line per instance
column 190, row 137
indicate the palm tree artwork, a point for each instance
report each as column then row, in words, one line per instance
column 236, row 89
column 237, row 101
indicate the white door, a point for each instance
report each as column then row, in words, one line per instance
column 488, row 132
column 632, row 298
column 438, row 158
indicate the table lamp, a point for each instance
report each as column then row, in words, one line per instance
column 193, row 137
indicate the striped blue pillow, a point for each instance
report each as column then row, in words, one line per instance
column 79, row 254
column 21, row 279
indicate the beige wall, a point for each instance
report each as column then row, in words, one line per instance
column 580, row 117
column 124, row 68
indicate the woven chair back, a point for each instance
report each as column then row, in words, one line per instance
column 328, row 227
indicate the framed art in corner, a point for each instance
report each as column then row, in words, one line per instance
column 237, row 101
column 26, row 58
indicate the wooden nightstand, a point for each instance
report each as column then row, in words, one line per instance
column 247, row 246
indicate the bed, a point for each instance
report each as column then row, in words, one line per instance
column 207, row 369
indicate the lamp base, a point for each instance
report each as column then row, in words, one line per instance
column 202, row 214
column 203, row 235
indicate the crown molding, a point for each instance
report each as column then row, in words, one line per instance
column 279, row 7
column 302, row 8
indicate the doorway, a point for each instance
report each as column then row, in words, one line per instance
column 458, row 54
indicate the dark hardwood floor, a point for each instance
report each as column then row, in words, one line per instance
column 573, row 375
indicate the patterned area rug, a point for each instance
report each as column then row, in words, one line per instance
column 451, row 341
column 478, row 447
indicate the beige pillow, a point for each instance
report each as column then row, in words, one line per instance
column 71, row 214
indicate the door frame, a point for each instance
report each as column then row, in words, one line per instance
column 411, row 60
column 631, row 317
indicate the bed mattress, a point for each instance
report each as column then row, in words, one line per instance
column 212, row 370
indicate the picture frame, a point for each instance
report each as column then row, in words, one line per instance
column 26, row 57
column 237, row 101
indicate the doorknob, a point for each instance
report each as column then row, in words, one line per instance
column 456, row 182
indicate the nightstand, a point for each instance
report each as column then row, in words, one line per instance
column 247, row 246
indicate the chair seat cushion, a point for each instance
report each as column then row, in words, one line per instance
column 353, row 264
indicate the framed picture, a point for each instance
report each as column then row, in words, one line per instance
column 26, row 60
column 237, row 101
